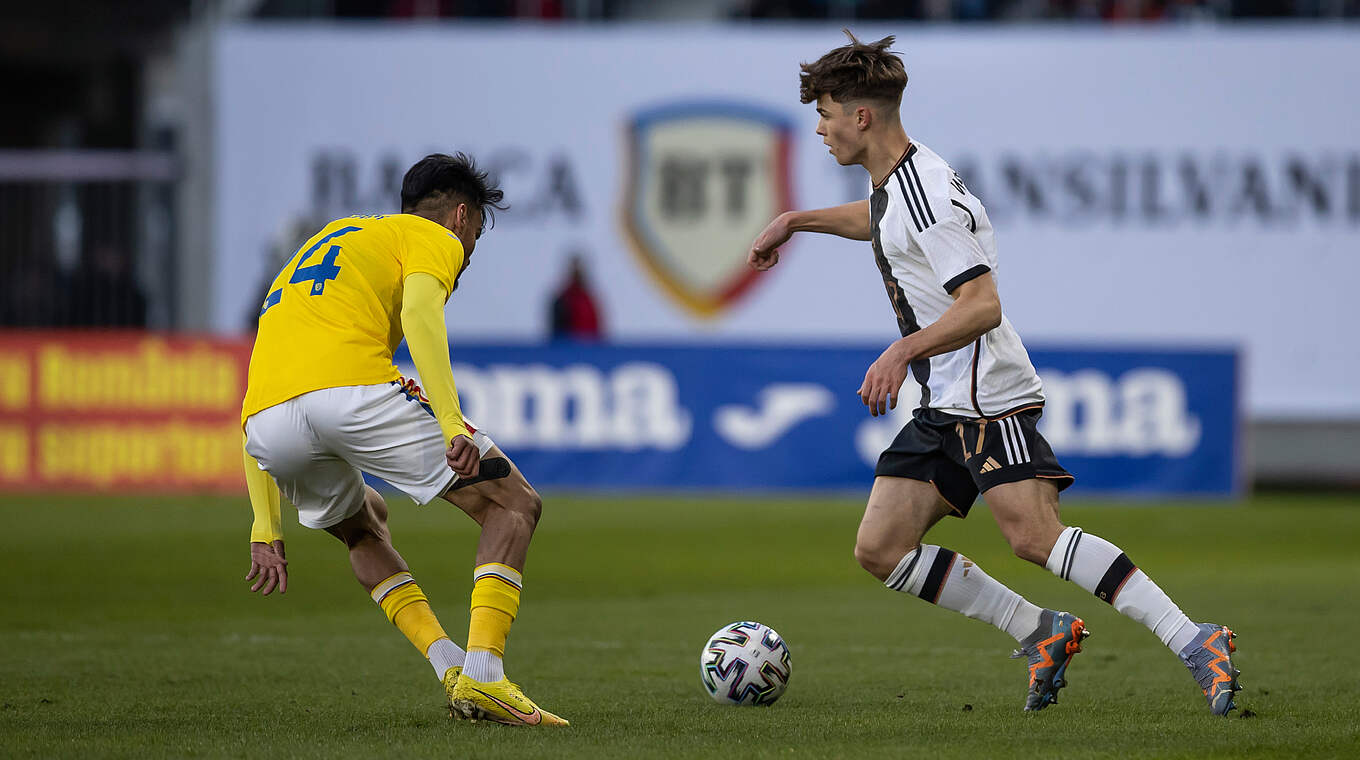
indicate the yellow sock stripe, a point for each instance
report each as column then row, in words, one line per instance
column 401, row 597
column 496, row 570
column 386, row 587
column 493, row 592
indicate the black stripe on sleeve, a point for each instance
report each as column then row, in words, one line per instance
column 906, row 200
column 1119, row 571
column 910, row 192
column 939, row 570
column 924, row 200
column 971, row 273
column 972, row 221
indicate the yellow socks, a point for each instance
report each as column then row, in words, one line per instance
column 495, row 602
column 406, row 606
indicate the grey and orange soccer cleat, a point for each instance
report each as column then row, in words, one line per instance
column 1209, row 658
column 1050, row 650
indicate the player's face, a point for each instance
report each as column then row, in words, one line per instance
column 839, row 129
column 467, row 225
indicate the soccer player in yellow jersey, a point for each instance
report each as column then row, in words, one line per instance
column 324, row 401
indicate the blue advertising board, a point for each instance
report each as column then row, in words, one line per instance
column 774, row 417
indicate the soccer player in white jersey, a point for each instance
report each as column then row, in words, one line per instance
column 975, row 430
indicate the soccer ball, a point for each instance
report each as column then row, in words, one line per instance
column 745, row 663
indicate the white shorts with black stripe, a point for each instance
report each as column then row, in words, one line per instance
column 316, row 445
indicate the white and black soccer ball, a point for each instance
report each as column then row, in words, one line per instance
column 745, row 663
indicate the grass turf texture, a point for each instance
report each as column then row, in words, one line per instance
column 127, row 631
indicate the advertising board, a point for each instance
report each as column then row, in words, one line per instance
column 1142, row 188
column 1139, row 422
column 84, row 413
column 120, row 410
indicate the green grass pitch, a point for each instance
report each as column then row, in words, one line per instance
column 127, row 631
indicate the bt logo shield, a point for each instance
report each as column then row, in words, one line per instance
column 703, row 179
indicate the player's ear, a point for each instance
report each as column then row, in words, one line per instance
column 864, row 118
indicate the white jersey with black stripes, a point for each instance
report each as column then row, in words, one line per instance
column 930, row 235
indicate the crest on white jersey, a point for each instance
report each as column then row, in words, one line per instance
column 703, row 179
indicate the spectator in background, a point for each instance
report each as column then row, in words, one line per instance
column 575, row 315
column 1136, row 10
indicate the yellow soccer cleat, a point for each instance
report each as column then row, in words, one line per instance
column 500, row 701
column 451, row 680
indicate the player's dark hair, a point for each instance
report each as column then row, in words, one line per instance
column 857, row 71
column 438, row 180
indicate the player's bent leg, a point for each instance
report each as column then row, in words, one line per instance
column 508, row 509
column 504, row 504
column 1027, row 513
column 899, row 513
column 384, row 574
column 365, row 533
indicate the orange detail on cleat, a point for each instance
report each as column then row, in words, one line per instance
column 1078, row 633
column 1043, row 652
column 1220, row 657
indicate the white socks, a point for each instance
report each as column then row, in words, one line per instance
column 954, row 582
column 1101, row 568
column 444, row 654
column 483, row 666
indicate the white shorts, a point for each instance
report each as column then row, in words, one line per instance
column 316, row 444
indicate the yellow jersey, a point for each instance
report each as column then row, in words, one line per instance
column 333, row 315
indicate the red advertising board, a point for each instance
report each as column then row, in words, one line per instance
column 98, row 411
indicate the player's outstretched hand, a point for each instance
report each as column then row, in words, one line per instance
column 765, row 250
column 463, row 457
column 268, row 568
column 883, row 382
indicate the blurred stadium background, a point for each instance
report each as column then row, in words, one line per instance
column 1175, row 185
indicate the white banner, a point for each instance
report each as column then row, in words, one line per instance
column 1147, row 186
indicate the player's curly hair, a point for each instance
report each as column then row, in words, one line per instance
column 857, row 71
column 439, row 179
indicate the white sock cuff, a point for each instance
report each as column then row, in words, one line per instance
column 444, row 654
column 497, row 570
column 483, row 666
column 391, row 584
column 1064, row 549
column 900, row 577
